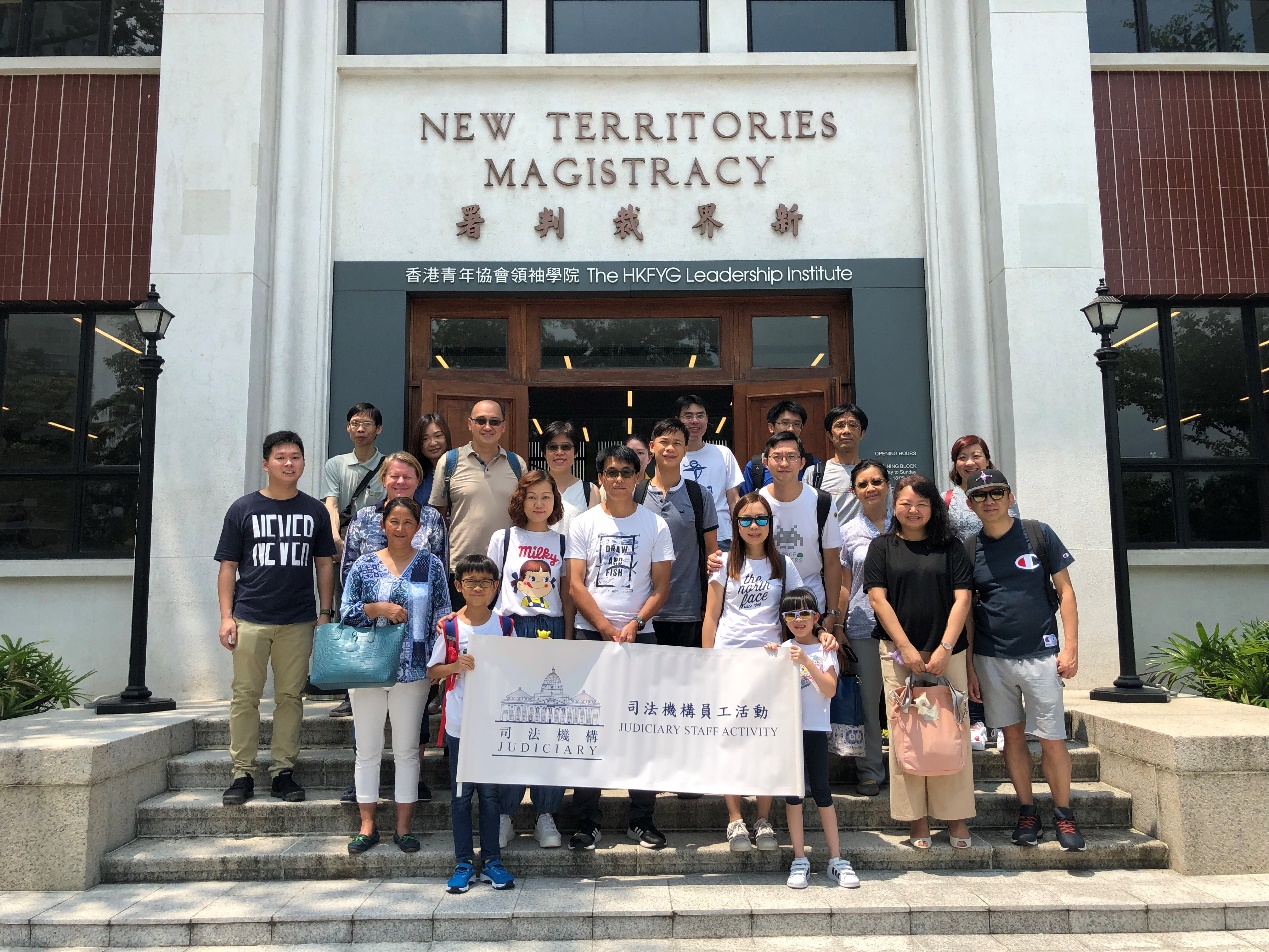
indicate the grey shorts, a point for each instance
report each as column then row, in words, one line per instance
column 1018, row 689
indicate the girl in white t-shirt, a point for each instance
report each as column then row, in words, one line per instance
column 742, row 610
column 817, row 669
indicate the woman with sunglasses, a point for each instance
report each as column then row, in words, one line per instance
column 918, row 580
column 559, row 442
column 870, row 482
column 742, row 610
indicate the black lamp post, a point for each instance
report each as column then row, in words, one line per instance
column 136, row 698
column 1103, row 317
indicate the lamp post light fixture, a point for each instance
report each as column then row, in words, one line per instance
column 136, row 698
column 1103, row 317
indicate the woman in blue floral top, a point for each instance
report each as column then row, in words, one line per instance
column 400, row 474
column 396, row 584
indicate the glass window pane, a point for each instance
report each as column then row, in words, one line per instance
column 663, row 343
column 1211, row 381
column 1112, row 26
column 790, row 341
column 468, row 343
column 110, row 516
column 1181, row 26
column 429, row 26
column 35, row 517
column 1143, row 424
column 1224, row 507
column 114, row 422
column 10, row 12
column 1149, row 509
column 38, row 386
column 66, row 28
column 1248, row 25
column 830, row 26
column 136, row 28
column 1262, row 355
column 626, row 26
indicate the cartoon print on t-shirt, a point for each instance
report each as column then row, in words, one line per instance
column 616, row 561
column 789, row 543
column 534, row 582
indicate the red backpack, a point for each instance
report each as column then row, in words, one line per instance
column 450, row 629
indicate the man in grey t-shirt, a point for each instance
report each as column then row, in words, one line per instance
column 670, row 496
column 846, row 425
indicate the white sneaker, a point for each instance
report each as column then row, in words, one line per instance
column 738, row 836
column 842, row 873
column 978, row 736
column 800, row 874
column 545, row 833
column 506, row 832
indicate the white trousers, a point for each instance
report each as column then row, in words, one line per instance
column 371, row 708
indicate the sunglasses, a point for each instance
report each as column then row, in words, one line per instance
column 487, row 421
column 802, row 614
column 624, row 473
column 747, row 521
column 864, row 483
column 558, row 447
column 995, row 495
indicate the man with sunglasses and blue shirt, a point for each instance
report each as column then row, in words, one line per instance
column 1016, row 663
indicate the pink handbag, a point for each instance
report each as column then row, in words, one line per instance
column 929, row 726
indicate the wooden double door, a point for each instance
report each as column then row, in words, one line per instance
column 462, row 350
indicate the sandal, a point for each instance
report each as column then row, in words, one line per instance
column 961, row 842
column 920, row 842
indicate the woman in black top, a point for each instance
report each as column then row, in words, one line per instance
column 918, row 582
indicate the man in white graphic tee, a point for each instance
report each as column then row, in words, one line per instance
column 713, row 467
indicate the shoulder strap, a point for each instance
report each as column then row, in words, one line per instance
column 361, row 487
column 586, row 491
column 1039, row 545
column 449, row 628
column 514, row 462
column 947, row 498
column 755, row 473
column 640, row 492
column 563, row 544
column 507, row 624
column 451, row 464
column 817, row 474
column 506, row 549
column 823, row 507
column 697, row 496
column 971, row 549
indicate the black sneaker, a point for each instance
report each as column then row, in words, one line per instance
column 285, row 788
column 646, row 835
column 349, row 795
column 1069, row 836
column 425, row 792
column 239, row 792
column 587, row 838
column 342, row 709
column 1029, row 831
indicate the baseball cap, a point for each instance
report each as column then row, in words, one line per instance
column 986, row 479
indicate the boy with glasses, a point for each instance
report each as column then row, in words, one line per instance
column 619, row 557
column 1016, row 666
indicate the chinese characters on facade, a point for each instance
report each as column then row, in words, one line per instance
column 626, row 222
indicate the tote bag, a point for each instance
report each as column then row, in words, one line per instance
column 846, row 719
column 928, row 725
column 348, row 657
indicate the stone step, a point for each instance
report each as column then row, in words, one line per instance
column 325, row 856
column 953, row 910
column 332, row 767
column 198, row 812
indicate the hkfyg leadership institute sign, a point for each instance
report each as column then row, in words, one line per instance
column 643, row 717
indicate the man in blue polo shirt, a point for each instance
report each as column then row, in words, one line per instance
column 1018, row 663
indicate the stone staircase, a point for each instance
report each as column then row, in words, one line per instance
column 185, row 834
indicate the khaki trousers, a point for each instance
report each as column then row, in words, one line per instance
column 912, row 798
column 288, row 648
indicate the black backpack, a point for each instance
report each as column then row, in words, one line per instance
column 1035, row 539
column 697, row 496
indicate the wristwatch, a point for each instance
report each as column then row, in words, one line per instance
column 639, row 621
column 947, row 647
column 327, row 611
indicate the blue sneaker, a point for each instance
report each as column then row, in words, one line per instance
column 496, row 875
column 460, row 882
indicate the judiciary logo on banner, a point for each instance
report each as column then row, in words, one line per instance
column 594, row 714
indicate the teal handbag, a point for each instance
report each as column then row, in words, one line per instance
column 348, row 657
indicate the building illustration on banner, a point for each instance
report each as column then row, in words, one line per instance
column 550, row 705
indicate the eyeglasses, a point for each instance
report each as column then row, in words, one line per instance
column 558, row 447
column 477, row 583
column 487, row 421
column 847, row 425
column 785, row 458
column 747, row 521
column 624, row 473
column 995, row 495
column 800, row 615
column 361, row 425
column 688, row 415
column 864, row 483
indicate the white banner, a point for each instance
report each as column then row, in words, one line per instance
column 642, row 717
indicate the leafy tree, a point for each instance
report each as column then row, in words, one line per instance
column 136, row 27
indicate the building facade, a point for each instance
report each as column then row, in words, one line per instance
column 899, row 202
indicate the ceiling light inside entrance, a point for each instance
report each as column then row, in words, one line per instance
column 691, row 361
column 568, row 361
column 816, row 361
column 537, row 426
column 719, row 428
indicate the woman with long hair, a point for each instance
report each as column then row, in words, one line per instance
column 918, row 580
column 430, row 442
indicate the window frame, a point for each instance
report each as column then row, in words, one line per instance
column 900, row 23
column 702, row 9
column 1220, row 17
column 1176, row 464
column 105, row 43
column 352, row 35
column 79, row 472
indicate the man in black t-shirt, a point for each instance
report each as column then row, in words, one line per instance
column 270, row 544
column 1017, row 665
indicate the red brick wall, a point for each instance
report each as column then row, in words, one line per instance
column 76, row 186
column 1183, row 163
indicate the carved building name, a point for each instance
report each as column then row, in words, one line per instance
column 590, row 171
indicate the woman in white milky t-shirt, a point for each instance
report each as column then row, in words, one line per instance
column 742, row 610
